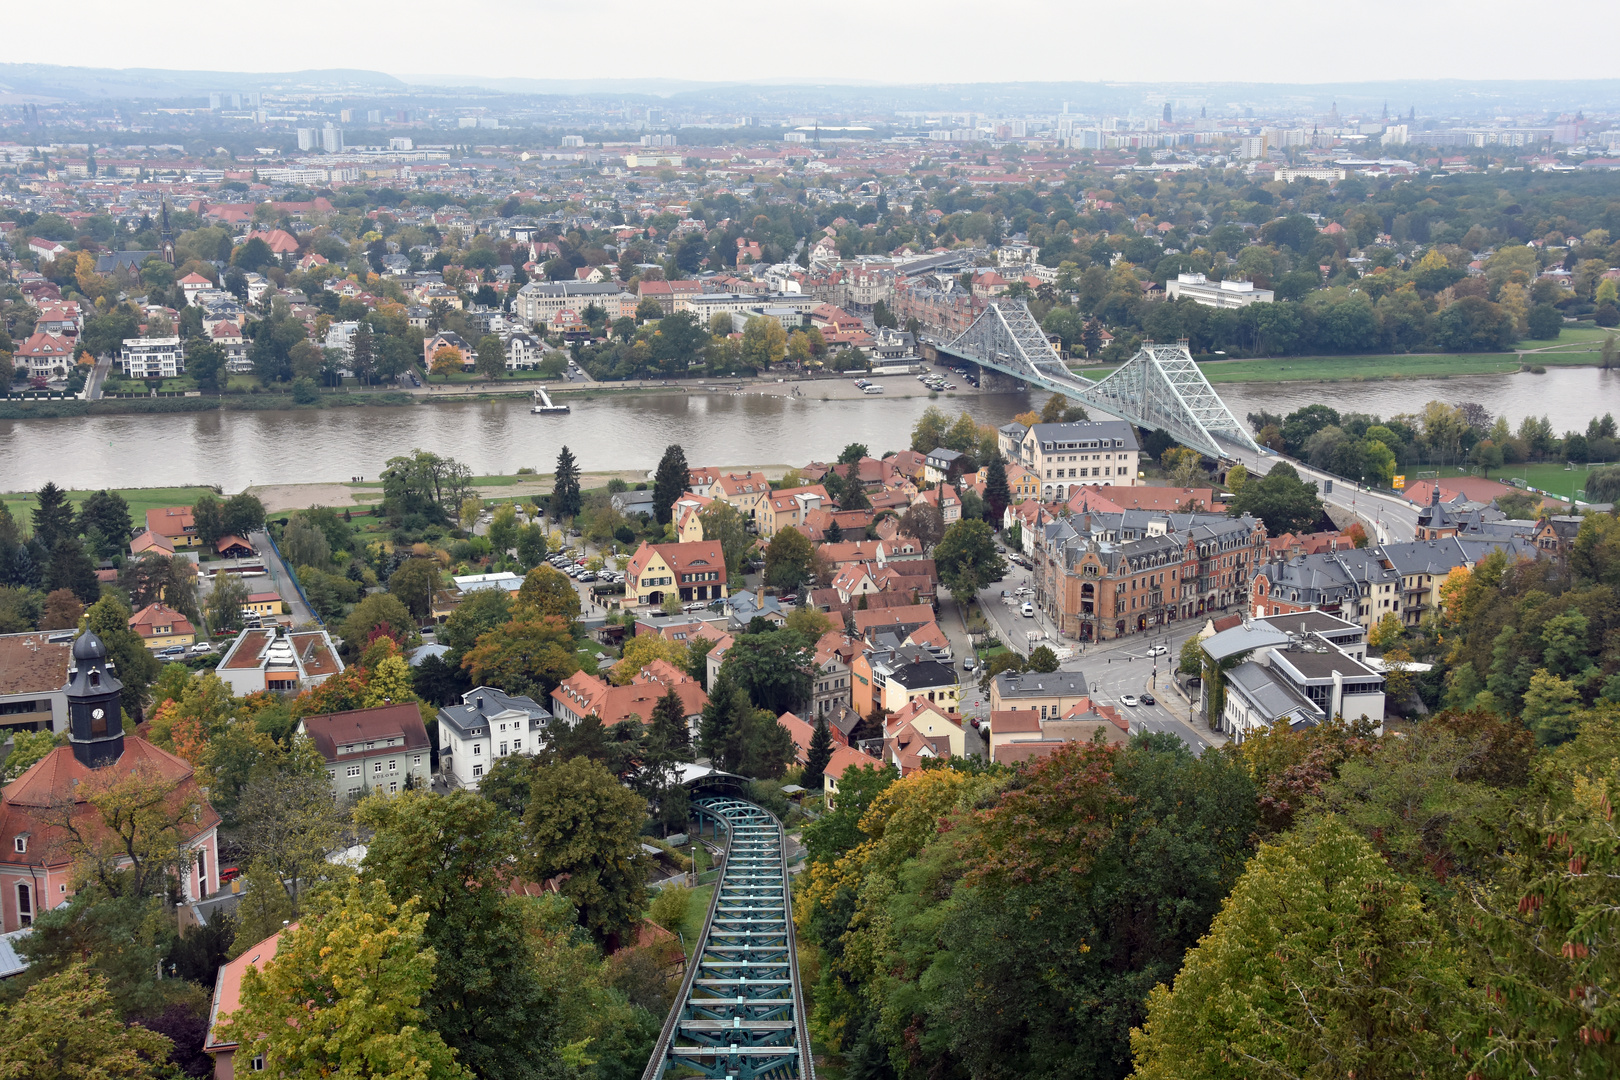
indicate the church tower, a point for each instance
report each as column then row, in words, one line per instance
column 95, row 729
column 166, row 237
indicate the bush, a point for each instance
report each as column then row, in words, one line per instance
column 1607, row 315
column 669, row 907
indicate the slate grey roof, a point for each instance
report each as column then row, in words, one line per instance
column 923, row 674
column 1270, row 695
column 1242, row 639
column 1034, row 684
column 482, row 702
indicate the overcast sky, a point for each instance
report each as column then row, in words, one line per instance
column 896, row 41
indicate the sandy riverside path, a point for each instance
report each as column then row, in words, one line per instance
column 279, row 497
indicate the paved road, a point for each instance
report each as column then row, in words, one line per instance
column 1393, row 519
column 281, row 580
column 97, row 379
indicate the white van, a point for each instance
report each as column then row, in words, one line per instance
column 872, row 389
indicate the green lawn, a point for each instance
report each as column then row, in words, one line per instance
column 1359, row 368
column 696, row 912
column 140, row 500
column 1550, row 476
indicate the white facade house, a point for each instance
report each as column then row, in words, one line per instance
column 1301, row 670
column 1216, row 294
column 524, row 351
column 153, row 358
column 1065, row 456
column 487, row 726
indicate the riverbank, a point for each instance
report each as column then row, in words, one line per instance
column 24, row 409
column 354, row 494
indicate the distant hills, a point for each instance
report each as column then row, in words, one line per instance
column 1431, row 98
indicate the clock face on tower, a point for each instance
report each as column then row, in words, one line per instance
column 97, row 714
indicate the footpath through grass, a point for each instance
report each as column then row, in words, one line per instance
column 21, row 504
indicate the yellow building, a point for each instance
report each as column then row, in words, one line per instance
column 692, row 571
column 263, row 604
column 162, row 627
column 685, row 514
column 748, row 493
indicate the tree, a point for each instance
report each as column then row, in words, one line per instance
column 136, row 665
column 764, row 342
column 527, row 655
column 836, row 832
column 773, row 667
column 581, row 828
column 344, row 994
column 723, row 523
column 1270, row 992
column 565, row 499
column 1236, row 477
column 380, row 614
column 451, row 853
column 491, row 357
column 53, row 516
column 1280, row 499
column 1385, row 632
column 997, row 492
column 126, row 831
column 208, row 516
column 106, row 514
column 808, row 622
column 414, row 584
column 923, row 523
column 66, row 1028
column 71, row 569
column 641, row 650
column 816, row 760
column 967, row 559
column 740, row 738
column 226, row 601
column 1192, row 656
column 62, row 610
column 789, row 560
column 289, row 824
column 669, row 483
column 547, row 591
column 1043, row 659
column 27, row 747
column 446, row 361
column 1058, row 410
column 242, row 513
column 1545, row 322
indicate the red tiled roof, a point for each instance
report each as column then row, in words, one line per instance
column 334, row 730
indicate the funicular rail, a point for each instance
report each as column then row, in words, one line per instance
column 740, row 1012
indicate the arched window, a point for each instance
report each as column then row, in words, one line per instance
column 25, row 904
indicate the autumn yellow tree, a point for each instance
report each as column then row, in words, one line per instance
column 642, row 650
column 446, row 361
column 126, row 830
column 65, row 1027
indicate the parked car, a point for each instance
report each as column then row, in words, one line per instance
column 202, row 648
column 969, row 663
column 1128, row 699
column 173, row 650
column 1028, row 610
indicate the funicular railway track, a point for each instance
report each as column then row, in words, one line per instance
column 740, row 1013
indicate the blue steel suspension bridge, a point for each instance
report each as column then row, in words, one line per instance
column 1160, row 388
column 740, row 1012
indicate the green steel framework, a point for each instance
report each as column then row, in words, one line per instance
column 740, row 1013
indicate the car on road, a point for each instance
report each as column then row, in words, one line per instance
column 202, row 648
column 1147, row 699
column 969, row 663
column 173, row 650
column 975, row 723
column 1129, row 699
column 1028, row 610
column 1158, row 650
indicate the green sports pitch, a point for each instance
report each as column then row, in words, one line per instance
column 1555, row 478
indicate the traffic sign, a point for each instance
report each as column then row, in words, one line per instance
column 1398, row 483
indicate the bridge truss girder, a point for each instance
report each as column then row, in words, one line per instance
column 1160, row 388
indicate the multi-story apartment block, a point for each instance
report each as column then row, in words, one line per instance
column 1102, row 576
column 1094, row 452
column 153, row 358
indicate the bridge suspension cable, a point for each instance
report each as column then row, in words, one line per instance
column 1160, row 388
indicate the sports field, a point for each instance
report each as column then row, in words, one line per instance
column 21, row 504
column 1551, row 477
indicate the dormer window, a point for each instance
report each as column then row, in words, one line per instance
column 20, row 844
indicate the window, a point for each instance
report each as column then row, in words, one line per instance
column 393, row 786
column 416, row 762
column 503, row 750
column 478, row 749
column 25, row 904
column 258, row 1063
column 393, row 766
column 478, row 770
column 20, row 843
column 376, row 767
column 354, row 791
column 354, row 770
column 517, row 745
